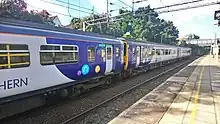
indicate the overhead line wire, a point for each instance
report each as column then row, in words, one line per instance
column 65, row 6
column 50, row 10
column 125, row 3
column 167, row 11
column 75, row 5
column 178, row 4
column 203, row 5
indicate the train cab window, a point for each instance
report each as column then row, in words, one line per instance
column 14, row 56
column 109, row 53
column 91, row 54
column 56, row 54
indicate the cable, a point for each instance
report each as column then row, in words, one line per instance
column 166, row 11
column 125, row 3
column 69, row 8
column 75, row 5
column 113, row 4
column 140, row 1
column 208, row 4
column 106, row 17
column 65, row 6
column 178, row 4
column 50, row 11
column 118, row 9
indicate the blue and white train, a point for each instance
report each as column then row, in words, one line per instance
column 40, row 62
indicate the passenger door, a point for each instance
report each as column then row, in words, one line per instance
column 178, row 52
column 109, row 58
column 138, row 61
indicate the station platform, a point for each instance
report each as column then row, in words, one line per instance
column 191, row 96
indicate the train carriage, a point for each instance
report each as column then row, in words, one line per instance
column 47, row 58
column 37, row 61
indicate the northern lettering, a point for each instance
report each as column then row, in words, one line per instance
column 14, row 83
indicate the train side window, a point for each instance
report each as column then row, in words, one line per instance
column 47, row 58
column 14, row 56
column 68, row 54
column 138, row 51
column 153, row 52
column 91, row 54
column 158, row 51
column 162, row 51
column 142, row 53
column 133, row 51
column 117, row 51
column 166, row 52
column 109, row 53
column 53, row 54
column 49, row 47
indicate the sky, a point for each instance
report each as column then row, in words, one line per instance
column 199, row 21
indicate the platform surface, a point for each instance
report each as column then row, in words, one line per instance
column 191, row 96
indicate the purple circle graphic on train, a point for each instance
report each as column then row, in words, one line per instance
column 85, row 69
column 79, row 73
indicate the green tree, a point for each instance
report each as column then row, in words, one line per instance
column 146, row 25
column 191, row 36
column 17, row 9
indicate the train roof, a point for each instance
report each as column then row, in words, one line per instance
column 25, row 27
column 30, row 28
column 29, row 24
column 151, row 43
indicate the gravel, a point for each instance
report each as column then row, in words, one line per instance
column 102, row 115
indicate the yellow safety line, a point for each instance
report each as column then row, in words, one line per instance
column 193, row 113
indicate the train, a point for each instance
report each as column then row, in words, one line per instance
column 38, row 63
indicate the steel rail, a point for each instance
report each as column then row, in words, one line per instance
column 120, row 94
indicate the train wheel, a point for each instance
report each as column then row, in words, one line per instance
column 76, row 91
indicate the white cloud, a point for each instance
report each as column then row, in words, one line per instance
column 51, row 8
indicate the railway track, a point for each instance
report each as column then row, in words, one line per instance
column 84, row 113
column 67, row 111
